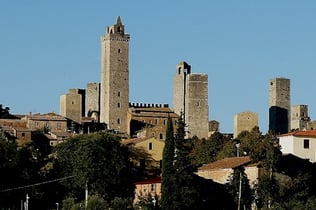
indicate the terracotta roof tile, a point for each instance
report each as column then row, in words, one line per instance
column 231, row 162
column 303, row 133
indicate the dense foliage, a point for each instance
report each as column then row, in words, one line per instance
column 167, row 185
column 99, row 161
column 178, row 182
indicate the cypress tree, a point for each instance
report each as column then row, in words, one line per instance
column 167, row 181
column 185, row 188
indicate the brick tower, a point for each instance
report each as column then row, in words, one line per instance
column 190, row 96
column 115, row 77
column 279, row 105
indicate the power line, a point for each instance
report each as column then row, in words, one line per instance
column 36, row 184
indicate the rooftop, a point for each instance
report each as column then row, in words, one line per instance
column 231, row 162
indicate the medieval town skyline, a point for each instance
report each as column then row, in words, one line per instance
column 240, row 46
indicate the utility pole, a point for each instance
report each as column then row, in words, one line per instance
column 27, row 202
column 86, row 196
column 239, row 189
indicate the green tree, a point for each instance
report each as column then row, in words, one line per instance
column 185, row 193
column 240, row 189
column 98, row 160
column 218, row 146
column 167, row 181
column 267, row 192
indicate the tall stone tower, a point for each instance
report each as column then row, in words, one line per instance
column 279, row 105
column 299, row 117
column 115, row 77
column 190, row 97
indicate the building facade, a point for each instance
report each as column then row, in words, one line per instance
column 279, row 105
column 245, row 121
column 115, row 77
column 299, row 143
column 190, row 97
column 149, row 120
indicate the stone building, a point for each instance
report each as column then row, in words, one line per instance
column 92, row 104
column 245, row 121
column 149, row 120
column 299, row 117
column 53, row 122
column 72, row 104
column 115, row 77
column 279, row 105
column 190, row 97
column 220, row 171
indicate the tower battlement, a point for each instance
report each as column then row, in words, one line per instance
column 144, row 105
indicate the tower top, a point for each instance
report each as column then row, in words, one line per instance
column 117, row 28
column 118, row 20
column 183, row 67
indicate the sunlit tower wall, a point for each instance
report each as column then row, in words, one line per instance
column 72, row 104
column 179, row 87
column 245, row 121
column 279, row 105
column 190, row 98
column 115, row 77
column 299, row 117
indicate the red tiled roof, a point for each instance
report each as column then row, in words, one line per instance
column 48, row 116
column 304, row 133
column 149, row 181
column 231, row 162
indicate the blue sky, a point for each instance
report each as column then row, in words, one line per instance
column 48, row 47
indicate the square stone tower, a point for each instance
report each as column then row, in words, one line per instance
column 279, row 105
column 72, row 104
column 190, row 97
column 299, row 117
column 245, row 121
column 115, row 77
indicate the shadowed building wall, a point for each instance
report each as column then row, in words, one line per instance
column 93, row 100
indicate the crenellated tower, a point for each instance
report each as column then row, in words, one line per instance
column 115, row 77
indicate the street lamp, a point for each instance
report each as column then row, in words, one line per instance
column 238, row 146
column 57, row 205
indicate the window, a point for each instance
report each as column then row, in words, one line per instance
column 118, row 121
column 119, row 51
column 119, row 93
column 118, row 105
column 153, row 187
column 58, row 125
column 161, row 136
column 150, row 146
column 164, row 122
column 36, row 124
column 23, row 135
column 156, row 121
column 306, row 143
